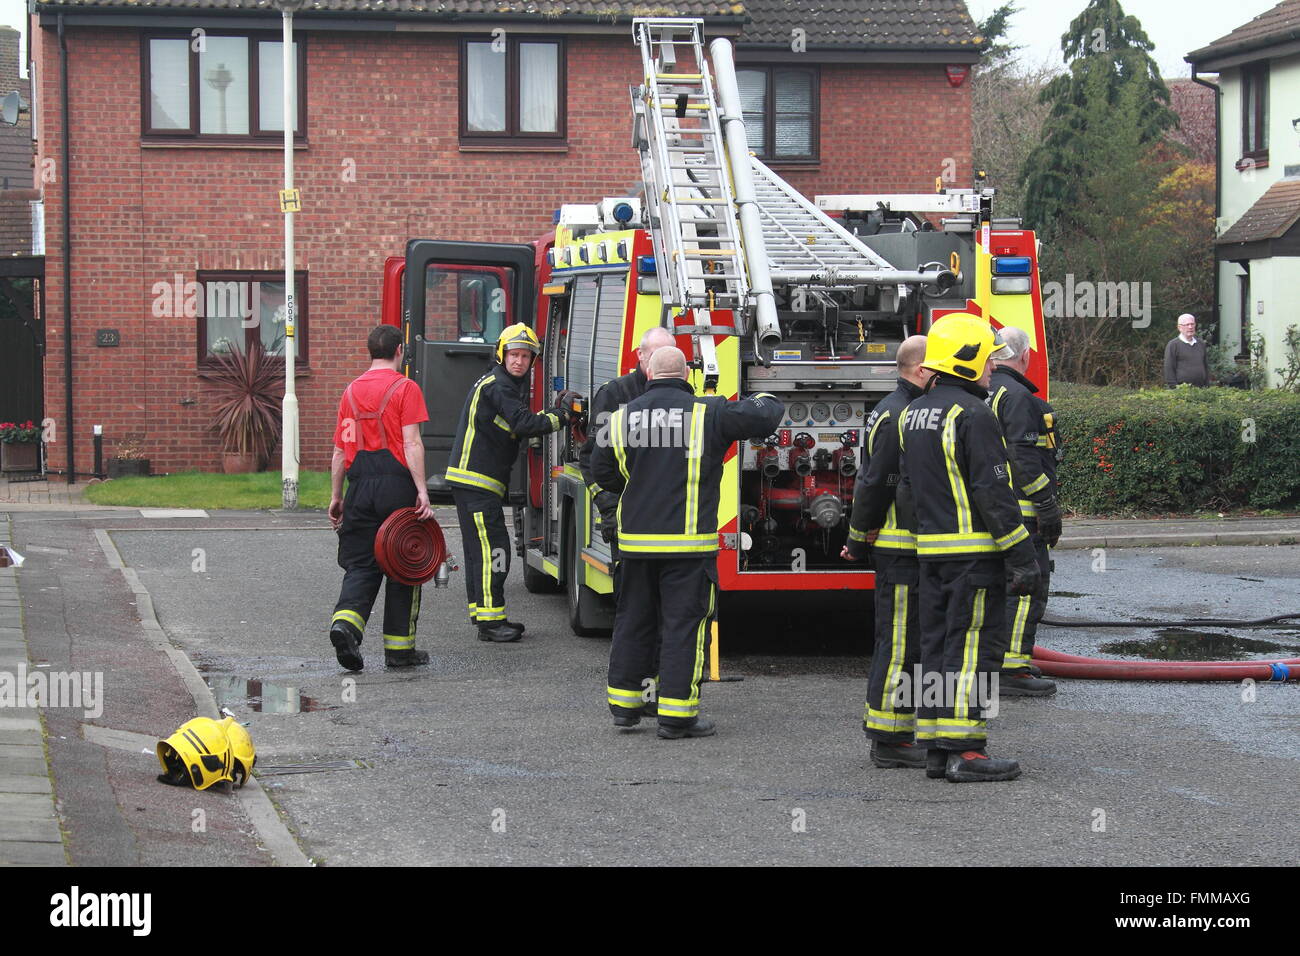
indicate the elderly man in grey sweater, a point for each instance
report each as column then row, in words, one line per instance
column 1185, row 357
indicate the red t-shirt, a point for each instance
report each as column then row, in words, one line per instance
column 406, row 407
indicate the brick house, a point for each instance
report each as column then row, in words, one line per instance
column 1257, row 250
column 417, row 118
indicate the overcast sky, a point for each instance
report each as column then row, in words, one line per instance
column 1176, row 26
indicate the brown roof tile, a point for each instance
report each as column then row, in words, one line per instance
column 922, row 25
column 1273, row 214
column 864, row 24
column 1277, row 25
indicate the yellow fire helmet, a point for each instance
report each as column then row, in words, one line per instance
column 960, row 344
column 197, row 755
column 242, row 753
column 517, row 336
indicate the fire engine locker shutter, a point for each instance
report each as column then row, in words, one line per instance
column 582, row 320
column 609, row 329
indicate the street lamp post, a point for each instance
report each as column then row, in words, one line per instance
column 289, row 204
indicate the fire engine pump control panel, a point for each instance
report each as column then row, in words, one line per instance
column 797, row 484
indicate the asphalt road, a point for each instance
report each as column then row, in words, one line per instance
column 502, row 754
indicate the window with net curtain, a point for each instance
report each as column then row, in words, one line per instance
column 227, row 86
column 512, row 88
column 240, row 310
column 780, row 107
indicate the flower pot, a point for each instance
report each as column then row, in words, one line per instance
column 20, row 456
column 238, row 463
column 127, row 467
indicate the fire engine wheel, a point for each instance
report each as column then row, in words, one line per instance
column 585, row 617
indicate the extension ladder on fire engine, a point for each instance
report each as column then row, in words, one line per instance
column 803, row 243
column 688, row 183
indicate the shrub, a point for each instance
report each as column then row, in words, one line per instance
column 1183, row 449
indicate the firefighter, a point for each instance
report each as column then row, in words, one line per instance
column 664, row 458
column 1028, row 425
column 889, row 725
column 377, row 443
column 971, row 548
column 493, row 422
column 612, row 396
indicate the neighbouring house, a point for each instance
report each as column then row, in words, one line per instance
column 1258, row 245
column 472, row 120
column 21, row 336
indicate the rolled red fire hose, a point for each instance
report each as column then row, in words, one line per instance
column 408, row 550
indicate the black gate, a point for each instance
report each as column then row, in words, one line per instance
column 22, row 347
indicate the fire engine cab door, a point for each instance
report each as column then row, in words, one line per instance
column 457, row 297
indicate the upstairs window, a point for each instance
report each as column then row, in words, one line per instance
column 1254, row 113
column 218, row 87
column 781, row 112
column 512, row 92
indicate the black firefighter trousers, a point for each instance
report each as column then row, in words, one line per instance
column 963, row 640
column 890, row 713
column 1024, row 612
column 663, row 604
column 486, row 544
column 377, row 486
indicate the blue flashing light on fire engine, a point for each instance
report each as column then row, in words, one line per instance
column 646, row 266
column 1011, row 266
column 623, row 213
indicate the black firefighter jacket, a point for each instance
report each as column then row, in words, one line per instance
column 663, row 453
column 1028, row 425
column 954, row 490
column 610, row 397
column 492, row 423
column 877, row 484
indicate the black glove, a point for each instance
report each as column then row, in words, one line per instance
column 607, row 503
column 859, row 551
column 1023, row 574
column 1049, row 520
column 566, row 399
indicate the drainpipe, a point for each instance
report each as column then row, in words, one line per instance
column 67, row 259
column 1218, row 193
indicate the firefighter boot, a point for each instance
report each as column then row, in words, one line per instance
column 515, row 624
column 889, row 756
column 630, row 718
column 407, row 658
column 936, row 763
column 972, row 766
column 499, row 632
column 703, row 727
column 345, row 639
column 1024, row 683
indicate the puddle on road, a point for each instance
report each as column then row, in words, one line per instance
column 262, row 697
column 1179, row 644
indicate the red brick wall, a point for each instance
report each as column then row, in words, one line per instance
column 388, row 104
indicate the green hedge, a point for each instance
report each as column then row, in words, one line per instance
column 1181, row 450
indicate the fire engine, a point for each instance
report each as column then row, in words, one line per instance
column 764, row 290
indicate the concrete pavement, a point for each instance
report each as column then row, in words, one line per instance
column 504, row 754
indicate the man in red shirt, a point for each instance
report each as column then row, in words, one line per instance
column 377, row 443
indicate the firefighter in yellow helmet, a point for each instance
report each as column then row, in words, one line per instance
column 495, row 419
column 972, row 548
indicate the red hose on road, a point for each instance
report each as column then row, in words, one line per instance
column 1056, row 664
column 408, row 550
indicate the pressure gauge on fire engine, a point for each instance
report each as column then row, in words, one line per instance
column 798, row 413
column 843, row 411
column 821, row 412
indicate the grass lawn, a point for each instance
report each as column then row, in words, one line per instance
column 196, row 489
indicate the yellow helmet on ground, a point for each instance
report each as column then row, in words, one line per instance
column 961, row 344
column 198, row 754
column 517, row 336
column 243, row 754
